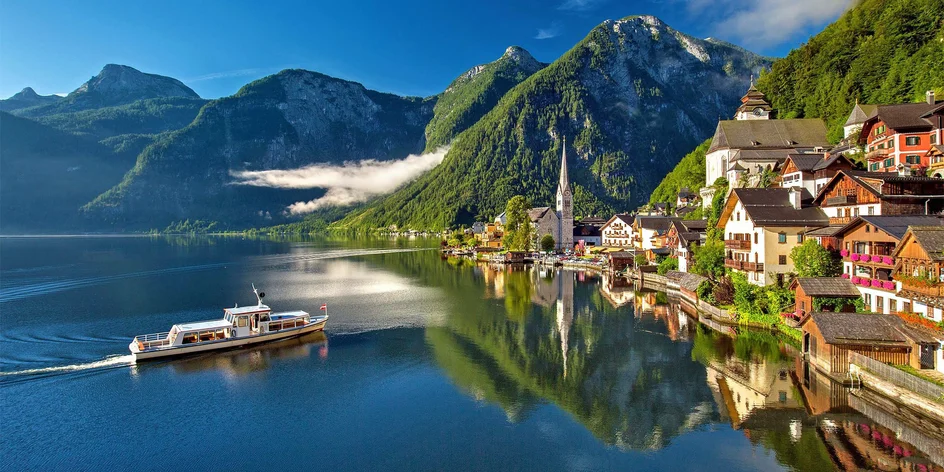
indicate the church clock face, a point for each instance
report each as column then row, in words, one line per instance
column 758, row 111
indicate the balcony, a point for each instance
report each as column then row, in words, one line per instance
column 742, row 244
column 923, row 287
column 878, row 154
column 840, row 220
column 842, row 200
column 744, row 265
column 869, row 259
column 866, row 282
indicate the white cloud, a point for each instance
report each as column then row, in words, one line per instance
column 548, row 33
column 346, row 184
column 580, row 5
column 767, row 22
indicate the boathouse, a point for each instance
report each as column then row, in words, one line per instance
column 620, row 260
column 833, row 294
column 828, row 338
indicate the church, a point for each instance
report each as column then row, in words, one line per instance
column 559, row 223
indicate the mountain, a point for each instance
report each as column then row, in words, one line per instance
column 46, row 175
column 288, row 120
column 475, row 93
column 631, row 98
column 880, row 51
column 27, row 98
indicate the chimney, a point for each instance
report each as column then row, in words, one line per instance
column 795, row 196
column 929, row 95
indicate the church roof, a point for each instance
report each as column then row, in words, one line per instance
column 769, row 134
column 861, row 113
column 538, row 213
column 564, row 183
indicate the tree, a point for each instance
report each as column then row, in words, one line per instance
column 709, row 259
column 640, row 259
column 670, row 263
column 518, row 231
column 810, row 259
column 547, row 243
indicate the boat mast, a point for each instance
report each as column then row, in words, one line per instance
column 259, row 295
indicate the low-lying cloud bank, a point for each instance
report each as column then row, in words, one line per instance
column 346, row 184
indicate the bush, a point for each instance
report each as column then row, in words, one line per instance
column 641, row 259
column 670, row 263
column 723, row 292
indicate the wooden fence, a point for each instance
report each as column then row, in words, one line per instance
column 898, row 377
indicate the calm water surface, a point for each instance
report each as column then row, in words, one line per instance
column 426, row 365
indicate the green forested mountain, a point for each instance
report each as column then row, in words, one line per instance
column 475, row 93
column 27, row 98
column 46, row 175
column 879, row 52
column 147, row 116
column 631, row 99
column 288, row 120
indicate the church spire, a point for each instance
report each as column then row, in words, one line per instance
column 564, row 183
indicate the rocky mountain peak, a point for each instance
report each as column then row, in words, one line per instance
column 27, row 92
column 520, row 55
column 123, row 83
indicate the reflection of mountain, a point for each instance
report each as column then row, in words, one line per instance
column 623, row 378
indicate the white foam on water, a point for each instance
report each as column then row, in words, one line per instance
column 108, row 362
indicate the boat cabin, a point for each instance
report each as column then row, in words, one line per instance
column 247, row 320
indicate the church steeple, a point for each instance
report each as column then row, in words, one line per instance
column 754, row 105
column 565, row 205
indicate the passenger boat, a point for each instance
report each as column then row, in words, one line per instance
column 240, row 326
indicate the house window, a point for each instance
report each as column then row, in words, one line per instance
column 782, row 238
column 782, row 259
column 889, row 162
column 755, row 238
column 868, row 228
column 879, row 304
column 913, row 159
column 799, row 237
column 855, row 211
column 867, row 298
column 891, row 144
column 933, row 138
column 847, row 245
column 906, row 307
column 892, row 305
column 912, row 140
column 871, row 210
column 738, row 216
column 874, row 166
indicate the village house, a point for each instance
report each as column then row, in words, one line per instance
column 809, row 290
column 743, row 148
column 685, row 198
column 620, row 260
column 852, row 193
column 936, row 160
column 587, row 232
column 650, row 231
column 491, row 235
column 901, row 135
column 920, row 270
column 762, row 225
column 867, row 244
column 828, row 338
column 618, row 231
column 812, row 171
column 682, row 236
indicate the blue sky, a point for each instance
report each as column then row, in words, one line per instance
column 409, row 47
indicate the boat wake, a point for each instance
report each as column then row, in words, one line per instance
column 32, row 290
column 108, row 363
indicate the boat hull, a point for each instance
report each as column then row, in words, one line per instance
column 225, row 343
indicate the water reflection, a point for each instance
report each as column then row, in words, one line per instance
column 637, row 371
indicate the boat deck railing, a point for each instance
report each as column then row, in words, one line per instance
column 152, row 341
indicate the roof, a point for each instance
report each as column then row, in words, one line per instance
column 830, row 160
column 778, row 155
column 825, row 232
column 656, row 223
column 536, row 214
column 895, row 225
column 620, row 255
column 931, row 239
column 680, row 212
column 872, row 328
column 204, row 325
column 626, row 218
column 874, row 181
column 861, row 113
column 827, row 287
column 805, row 162
column 593, row 220
column 692, row 236
column 694, row 224
column 770, row 134
column 684, row 192
column 905, row 115
column 772, row 207
column 247, row 309
column 582, row 230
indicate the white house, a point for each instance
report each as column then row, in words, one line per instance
column 618, row 231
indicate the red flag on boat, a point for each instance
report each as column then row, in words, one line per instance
column 324, row 306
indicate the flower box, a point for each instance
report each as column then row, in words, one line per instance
column 845, row 276
column 864, row 282
column 855, row 279
column 844, row 253
column 888, row 260
column 876, row 283
column 888, row 285
column 876, row 258
column 854, row 257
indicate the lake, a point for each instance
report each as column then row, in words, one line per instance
column 426, row 364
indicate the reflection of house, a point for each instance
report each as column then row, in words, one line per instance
column 748, row 386
column 852, row 193
column 618, row 231
column 810, row 289
column 761, row 227
column 867, row 245
column 617, row 290
column 828, row 338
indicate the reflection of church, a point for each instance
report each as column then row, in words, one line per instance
column 565, row 312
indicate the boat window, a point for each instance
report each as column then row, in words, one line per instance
column 242, row 321
column 190, row 338
column 265, row 317
column 275, row 326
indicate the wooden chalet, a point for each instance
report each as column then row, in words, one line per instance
column 920, row 268
column 828, row 338
column 852, row 193
column 620, row 260
column 809, row 289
